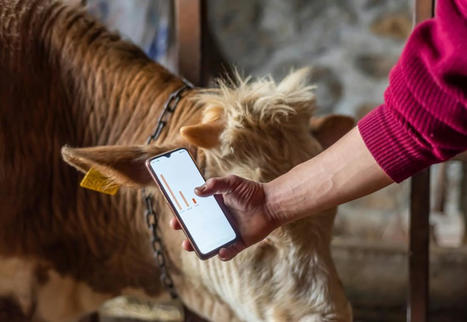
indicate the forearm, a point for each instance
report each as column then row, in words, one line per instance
column 424, row 116
column 343, row 172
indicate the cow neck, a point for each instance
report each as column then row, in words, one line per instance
column 126, row 112
column 115, row 91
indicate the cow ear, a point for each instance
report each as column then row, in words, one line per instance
column 330, row 128
column 203, row 135
column 206, row 133
column 123, row 165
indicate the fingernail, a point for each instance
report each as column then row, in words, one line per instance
column 200, row 189
column 222, row 254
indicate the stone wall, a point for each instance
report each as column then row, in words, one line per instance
column 351, row 45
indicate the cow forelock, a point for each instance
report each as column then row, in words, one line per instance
column 266, row 125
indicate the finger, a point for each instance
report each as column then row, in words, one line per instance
column 175, row 224
column 218, row 185
column 187, row 245
column 227, row 253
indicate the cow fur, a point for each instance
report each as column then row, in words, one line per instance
column 66, row 82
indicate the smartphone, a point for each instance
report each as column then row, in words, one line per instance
column 205, row 220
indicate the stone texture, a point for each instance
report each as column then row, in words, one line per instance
column 275, row 36
column 375, row 65
column 365, row 108
column 329, row 88
column 394, row 24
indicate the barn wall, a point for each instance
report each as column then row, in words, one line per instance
column 351, row 44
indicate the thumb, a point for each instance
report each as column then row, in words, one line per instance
column 227, row 253
column 218, row 185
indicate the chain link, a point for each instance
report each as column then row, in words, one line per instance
column 150, row 215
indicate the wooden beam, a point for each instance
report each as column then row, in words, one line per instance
column 417, row 308
column 423, row 9
column 463, row 198
column 189, row 16
column 419, row 260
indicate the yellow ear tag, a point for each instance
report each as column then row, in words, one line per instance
column 94, row 180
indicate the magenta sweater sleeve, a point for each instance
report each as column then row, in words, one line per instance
column 424, row 117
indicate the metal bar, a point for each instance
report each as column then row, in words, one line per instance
column 189, row 31
column 418, row 298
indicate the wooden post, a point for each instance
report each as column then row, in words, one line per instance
column 417, row 309
column 441, row 187
column 189, row 17
column 418, row 299
column 463, row 198
column 190, row 22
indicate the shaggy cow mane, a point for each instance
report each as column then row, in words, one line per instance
column 262, row 100
column 261, row 118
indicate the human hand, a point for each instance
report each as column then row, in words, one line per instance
column 246, row 201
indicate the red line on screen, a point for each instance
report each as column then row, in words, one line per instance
column 183, row 197
column 171, row 192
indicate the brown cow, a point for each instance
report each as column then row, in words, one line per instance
column 66, row 80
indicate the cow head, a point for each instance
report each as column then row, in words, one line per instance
column 258, row 130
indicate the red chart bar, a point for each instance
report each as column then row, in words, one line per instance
column 184, row 199
column 171, row 192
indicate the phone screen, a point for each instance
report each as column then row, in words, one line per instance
column 202, row 217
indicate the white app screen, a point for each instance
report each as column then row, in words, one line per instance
column 202, row 216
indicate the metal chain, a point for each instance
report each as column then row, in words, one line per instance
column 151, row 216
